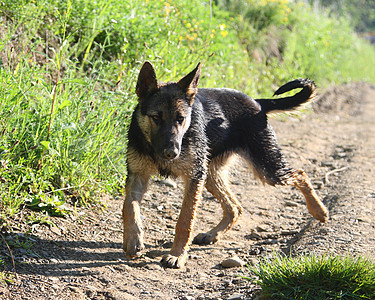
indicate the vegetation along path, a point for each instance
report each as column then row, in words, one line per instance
column 82, row 258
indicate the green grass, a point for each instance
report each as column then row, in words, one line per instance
column 68, row 71
column 313, row 277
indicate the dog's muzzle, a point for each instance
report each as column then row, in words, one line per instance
column 171, row 153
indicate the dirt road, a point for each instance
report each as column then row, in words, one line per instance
column 81, row 258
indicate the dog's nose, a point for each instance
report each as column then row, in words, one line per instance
column 170, row 153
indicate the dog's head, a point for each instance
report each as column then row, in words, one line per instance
column 165, row 109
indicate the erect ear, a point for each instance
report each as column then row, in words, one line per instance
column 147, row 82
column 190, row 82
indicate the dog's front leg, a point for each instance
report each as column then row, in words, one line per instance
column 183, row 236
column 136, row 186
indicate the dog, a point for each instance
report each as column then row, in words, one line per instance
column 180, row 130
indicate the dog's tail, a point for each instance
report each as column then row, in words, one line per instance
column 289, row 103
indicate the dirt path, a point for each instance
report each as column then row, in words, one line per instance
column 82, row 258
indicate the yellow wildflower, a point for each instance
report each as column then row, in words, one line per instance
column 224, row 33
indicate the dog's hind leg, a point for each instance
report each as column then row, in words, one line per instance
column 271, row 167
column 217, row 184
column 300, row 180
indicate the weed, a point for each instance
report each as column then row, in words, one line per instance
column 312, row 277
column 6, row 277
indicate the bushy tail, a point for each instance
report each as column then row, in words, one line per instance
column 289, row 103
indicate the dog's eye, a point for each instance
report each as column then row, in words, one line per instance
column 180, row 119
column 156, row 118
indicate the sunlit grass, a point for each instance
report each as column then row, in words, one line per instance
column 313, row 277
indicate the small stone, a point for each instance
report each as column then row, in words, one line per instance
column 56, row 230
column 291, row 203
column 54, row 279
column 216, row 253
column 288, row 232
column 237, row 280
column 364, row 219
column 233, row 262
column 74, row 289
column 254, row 236
column 169, row 182
column 112, row 269
column 270, row 241
column 236, row 297
column 155, row 253
column 262, row 228
column 318, row 185
column 194, row 256
column 125, row 296
column 154, row 267
column 220, row 274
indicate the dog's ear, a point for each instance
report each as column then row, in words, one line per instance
column 147, row 82
column 190, row 82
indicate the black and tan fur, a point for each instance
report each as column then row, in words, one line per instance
column 181, row 131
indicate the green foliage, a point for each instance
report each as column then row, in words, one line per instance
column 360, row 12
column 312, row 277
column 6, row 277
column 292, row 39
column 67, row 74
column 68, row 71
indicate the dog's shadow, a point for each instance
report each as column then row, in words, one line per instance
column 57, row 258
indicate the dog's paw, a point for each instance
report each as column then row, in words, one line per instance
column 321, row 213
column 173, row 262
column 318, row 211
column 205, row 239
column 133, row 247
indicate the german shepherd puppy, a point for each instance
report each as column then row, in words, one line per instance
column 181, row 131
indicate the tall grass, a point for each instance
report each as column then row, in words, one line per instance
column 68, row 70
column 293, row 40
column 67, row 78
